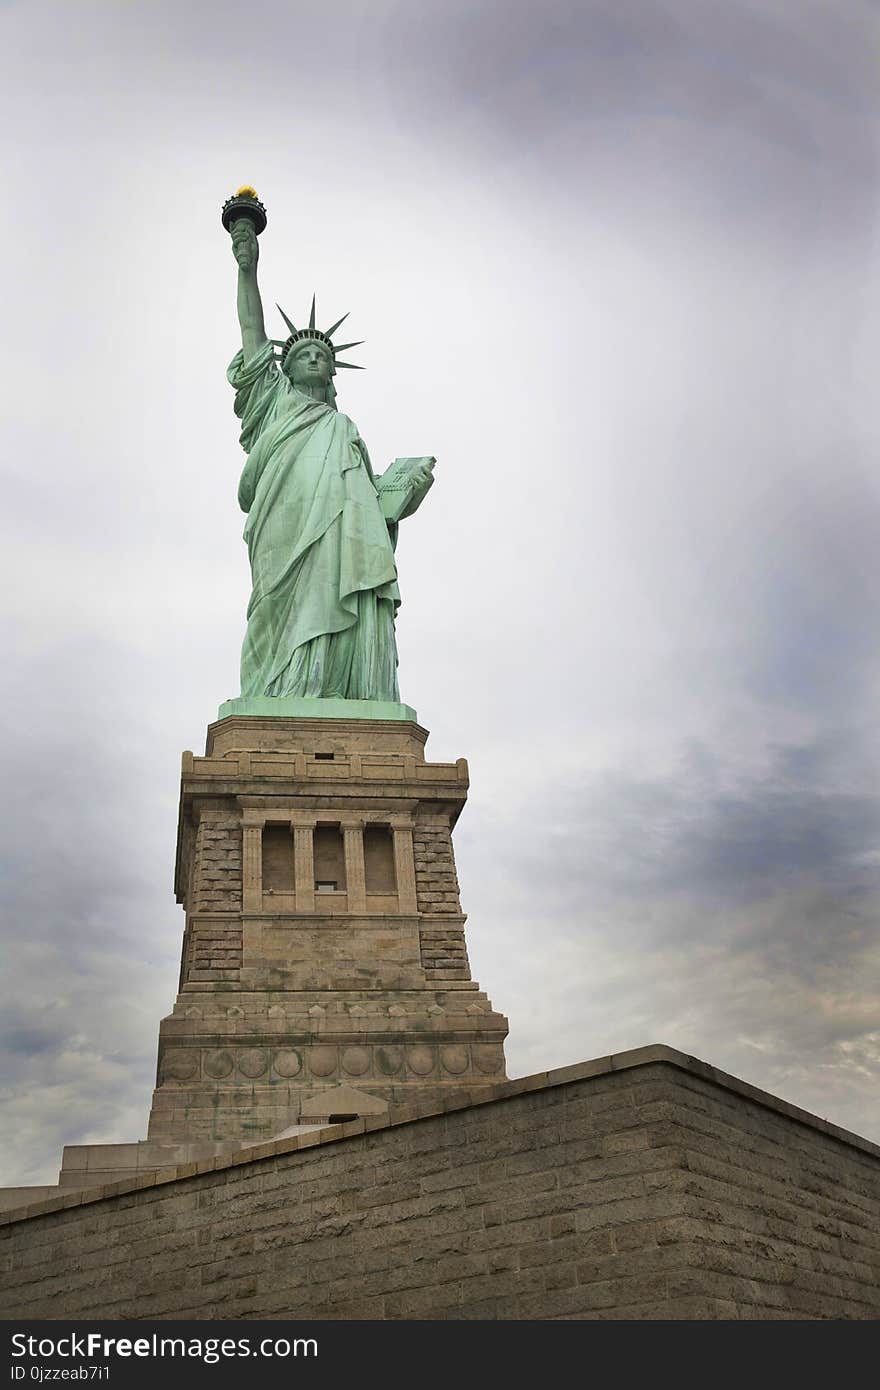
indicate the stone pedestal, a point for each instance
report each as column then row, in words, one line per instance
column 324, row 944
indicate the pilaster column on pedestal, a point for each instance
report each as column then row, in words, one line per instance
column 404, row 864
column 252, row 862
column 355, row 873
column 303, row 828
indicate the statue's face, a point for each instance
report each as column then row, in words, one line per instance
column 311, row 364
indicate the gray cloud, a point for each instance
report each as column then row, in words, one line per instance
column 734, row 108
column 724, row 837
column 723, row 909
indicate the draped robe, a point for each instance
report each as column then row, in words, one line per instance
column 320, row 621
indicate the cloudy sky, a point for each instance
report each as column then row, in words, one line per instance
column 617, row 267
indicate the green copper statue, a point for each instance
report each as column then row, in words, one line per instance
column 321, row 527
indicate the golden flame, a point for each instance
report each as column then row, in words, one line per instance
column 245, row 191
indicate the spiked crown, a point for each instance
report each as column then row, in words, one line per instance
column 320, row 335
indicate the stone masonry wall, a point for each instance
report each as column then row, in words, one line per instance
column 634, row 1187
column 444, row 953
column 218, row 866
column 436, row 881
column 214, row 949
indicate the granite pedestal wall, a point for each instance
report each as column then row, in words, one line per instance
column 642, row 1186
column 324, row 941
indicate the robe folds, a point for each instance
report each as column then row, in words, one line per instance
column 320, row 621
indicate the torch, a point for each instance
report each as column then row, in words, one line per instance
column 244, row 203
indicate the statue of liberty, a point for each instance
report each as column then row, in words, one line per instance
column 321, row 527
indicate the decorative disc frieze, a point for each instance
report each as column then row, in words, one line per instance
column 454, row 1059
column 287, row 1063
column 323, row 1061
column 253, row 1062
column 356, row 1060
column 421, row 1060
column 219, row 1064
column 389, row 1060
column 179, row 1064
column 488, row 1057
column 381, row 1061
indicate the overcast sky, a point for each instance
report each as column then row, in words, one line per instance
column 616, row 264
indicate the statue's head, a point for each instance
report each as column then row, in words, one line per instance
column 309, row 362
column 309, row 357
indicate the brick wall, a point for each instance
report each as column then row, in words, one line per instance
column 213, row 949
column 641, row 1186
column 436, row 881
column 218, row 866
column 443, row 952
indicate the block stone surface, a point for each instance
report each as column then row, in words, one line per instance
column 642, row 1186
column 324, row 942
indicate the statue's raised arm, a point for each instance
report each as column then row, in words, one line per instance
column 244, row 217
column 246, row 250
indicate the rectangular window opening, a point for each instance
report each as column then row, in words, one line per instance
column 379, row 859
column 329, row 850
column 277, row 859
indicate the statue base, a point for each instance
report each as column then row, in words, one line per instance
column 300, row 707
column 324, row 966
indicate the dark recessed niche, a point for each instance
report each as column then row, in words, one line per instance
column 379, row 859
column 329, row 853
column 277, row 859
